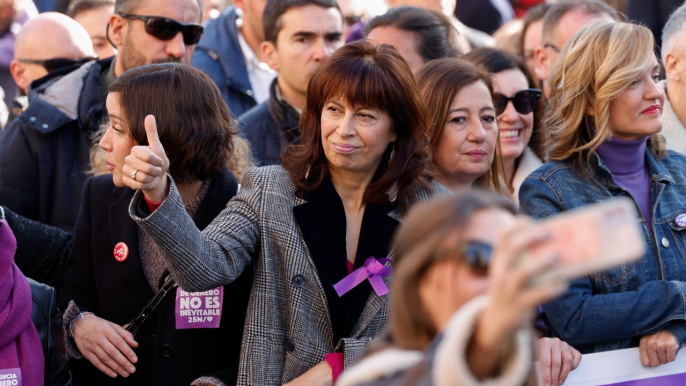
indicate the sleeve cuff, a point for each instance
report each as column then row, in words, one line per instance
column 450, row 360
column 70, row 314
column 208, row 381
column 678, row 329
column 337, row 363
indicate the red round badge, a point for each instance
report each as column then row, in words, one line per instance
column 121, row 252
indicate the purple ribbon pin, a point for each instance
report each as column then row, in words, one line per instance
column 373, row 270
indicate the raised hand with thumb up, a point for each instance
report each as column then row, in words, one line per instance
column 146, row 166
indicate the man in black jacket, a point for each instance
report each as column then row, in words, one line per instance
column 299, row 35
column 44, row 153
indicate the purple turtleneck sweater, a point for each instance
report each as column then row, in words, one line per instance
column 627, row 162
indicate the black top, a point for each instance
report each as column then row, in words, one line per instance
column 322, row 223
column 118, row 291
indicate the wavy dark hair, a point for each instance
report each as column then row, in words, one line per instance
column 366, row 74
column 494, row 61
column 434, row 33
column 193, row 121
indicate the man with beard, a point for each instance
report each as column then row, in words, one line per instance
column 299, row 34
column 44, row 153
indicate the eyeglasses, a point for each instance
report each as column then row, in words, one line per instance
column 164, row 28
column 477, row 255
column 57, row 63
column 523, row 101
column 552, row 46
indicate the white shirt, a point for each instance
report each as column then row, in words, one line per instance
column 259, row 73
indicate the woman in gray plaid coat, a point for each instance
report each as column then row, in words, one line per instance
column 329, row 210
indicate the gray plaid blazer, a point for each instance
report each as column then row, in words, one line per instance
column 287, row 328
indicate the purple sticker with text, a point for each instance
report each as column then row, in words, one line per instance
column 199, row 309
column 10, row 377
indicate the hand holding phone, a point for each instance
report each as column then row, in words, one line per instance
column 590, row 239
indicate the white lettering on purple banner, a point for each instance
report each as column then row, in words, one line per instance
column 10, row 377
column 198, row 309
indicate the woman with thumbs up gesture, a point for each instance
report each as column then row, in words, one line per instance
column 315, row 227
column 127, row 322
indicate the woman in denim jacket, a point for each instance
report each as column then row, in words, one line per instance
column 604, row 123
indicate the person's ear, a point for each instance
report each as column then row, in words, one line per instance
column 18, row 71
column 541, row 63
column 239, row 4
column 269, row 55
column 673, row 66
column 118, row 29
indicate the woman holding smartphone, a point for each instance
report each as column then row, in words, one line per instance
column 604, row 123
column 462, row 299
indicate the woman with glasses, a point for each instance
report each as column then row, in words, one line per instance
column 464, row 130
column 315, row 227
column 604, row 124
column 517, row 107
column 127, row 322
column 462, row 300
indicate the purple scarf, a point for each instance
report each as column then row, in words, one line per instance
column 20, row 346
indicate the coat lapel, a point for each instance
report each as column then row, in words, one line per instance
column 322, row 223
column 124, row 229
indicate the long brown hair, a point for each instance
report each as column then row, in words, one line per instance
column 427, row 228
column 439, row 81
column 193, row 121
column 366, row 74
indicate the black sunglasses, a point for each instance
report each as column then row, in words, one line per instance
column 477, row 255
column 57, row 63
column 523, row 101
column 164, row 28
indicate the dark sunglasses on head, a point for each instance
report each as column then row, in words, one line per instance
column 477, row 255
column 164, row 28
column 523, row 101
column 57, row 63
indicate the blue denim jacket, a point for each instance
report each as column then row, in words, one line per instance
column 613, row 309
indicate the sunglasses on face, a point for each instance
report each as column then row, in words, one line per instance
column 57, row 63
column 165, row 29
column 477, row 255
column 523, row 101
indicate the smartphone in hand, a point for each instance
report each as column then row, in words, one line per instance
column 591, row 239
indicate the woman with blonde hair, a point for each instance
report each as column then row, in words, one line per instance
column 604, row 124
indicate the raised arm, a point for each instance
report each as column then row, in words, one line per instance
column 197, row 260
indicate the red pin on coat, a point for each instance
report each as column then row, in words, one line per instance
column 121, row 252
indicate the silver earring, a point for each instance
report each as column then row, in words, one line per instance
column 392, row 153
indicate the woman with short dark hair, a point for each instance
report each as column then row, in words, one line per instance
column 115, row 271
column 329, row 211
column 420, row 35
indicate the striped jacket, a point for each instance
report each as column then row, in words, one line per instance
column 288, row 328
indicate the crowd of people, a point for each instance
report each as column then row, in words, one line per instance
column 321, row 192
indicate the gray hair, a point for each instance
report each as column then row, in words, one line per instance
column 674, row 26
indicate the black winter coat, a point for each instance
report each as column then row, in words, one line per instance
column 42, row 250
column 44, row 153
column 270, row 127
column 48, row 321
column 118, row 291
